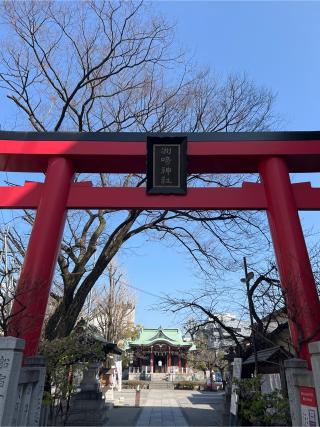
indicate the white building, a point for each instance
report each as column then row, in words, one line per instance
column 218, row 338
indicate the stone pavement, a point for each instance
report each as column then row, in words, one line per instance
column 161, row 409
column 204, row 408
column 168, row 408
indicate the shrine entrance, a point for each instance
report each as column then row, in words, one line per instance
column 160, row 365
column 161, row 350
column 60, row 155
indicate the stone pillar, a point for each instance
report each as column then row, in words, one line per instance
column 314, row 350
column 151, row 360
column 10, row 366
column 36, row 363
column 296, row 369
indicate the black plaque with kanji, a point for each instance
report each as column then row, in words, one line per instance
column 167, row 165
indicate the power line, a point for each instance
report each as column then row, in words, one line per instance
column 144, row 292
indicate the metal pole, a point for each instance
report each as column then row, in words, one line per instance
column 247, row 280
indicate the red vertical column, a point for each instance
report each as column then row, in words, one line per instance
column 34, row 284
column 295, row 271
column 179, row 362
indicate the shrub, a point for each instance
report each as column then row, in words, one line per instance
column 188, row 385
column 265, row 409
column 66, row 359
column 133, row 384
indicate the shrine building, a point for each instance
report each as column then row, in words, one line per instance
column 160, row 351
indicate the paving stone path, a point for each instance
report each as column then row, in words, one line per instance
column 168, row 408
column 161, row 409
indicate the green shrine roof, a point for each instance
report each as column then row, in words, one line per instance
column 170, row 336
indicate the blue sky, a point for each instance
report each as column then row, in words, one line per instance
column 277, row 45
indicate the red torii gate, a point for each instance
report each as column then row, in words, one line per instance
column 59, row 155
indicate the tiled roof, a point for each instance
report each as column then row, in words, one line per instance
column 265, row 355
column 170, row 336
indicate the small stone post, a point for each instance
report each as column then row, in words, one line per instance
column 10, row 366
column 314, row 349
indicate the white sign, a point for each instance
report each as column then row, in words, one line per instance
column 234, row 403
column 119, row 374
column 237, row 367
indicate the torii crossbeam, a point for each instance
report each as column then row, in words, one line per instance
column 59, row 155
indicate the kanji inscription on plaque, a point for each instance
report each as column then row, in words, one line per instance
column 166, row 172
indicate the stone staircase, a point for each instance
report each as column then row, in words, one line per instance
column 155, row 376
column 159, row 381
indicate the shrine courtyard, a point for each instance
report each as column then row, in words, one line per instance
column 167, row 408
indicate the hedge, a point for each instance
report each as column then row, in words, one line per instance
column 133, row 384
column 189, row 385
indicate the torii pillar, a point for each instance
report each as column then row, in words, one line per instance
column 33, row 289
column 294, row 266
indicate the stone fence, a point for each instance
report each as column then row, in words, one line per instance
column 169, row 370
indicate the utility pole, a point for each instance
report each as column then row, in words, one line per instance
column 248, row 277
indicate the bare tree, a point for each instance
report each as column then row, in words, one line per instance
column 110, row 66
column 206, row 358
column 202, row 307
column 112, row 308
column 272, row 309
column 9, row 272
